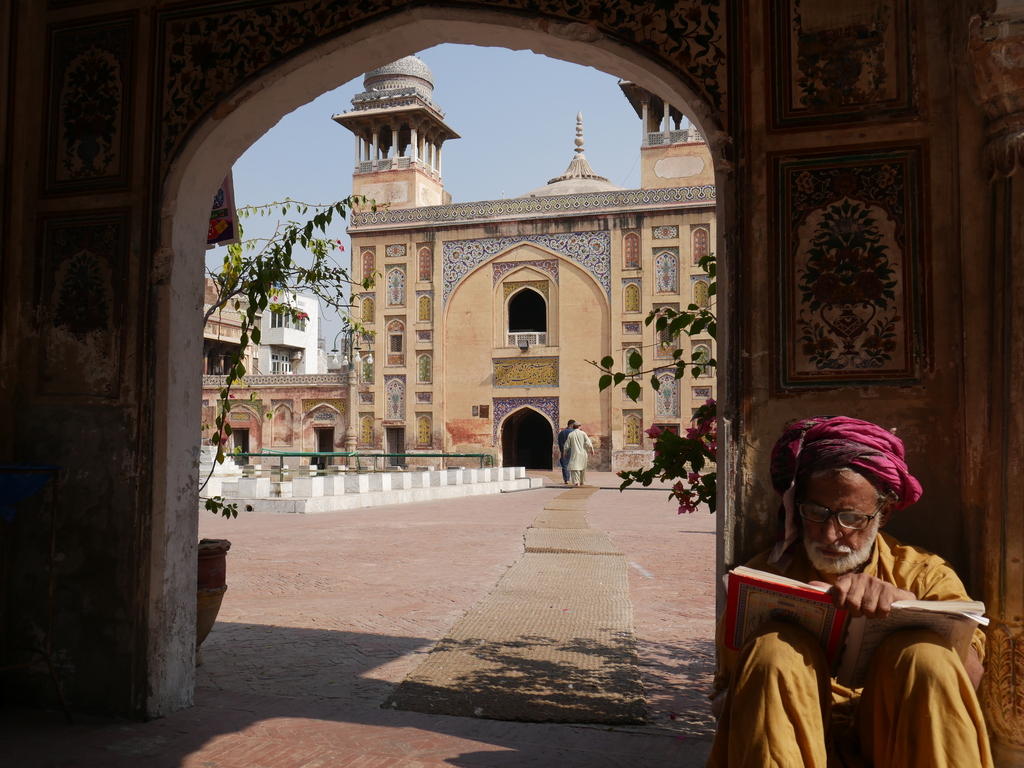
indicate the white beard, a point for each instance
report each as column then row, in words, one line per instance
column 850, row 559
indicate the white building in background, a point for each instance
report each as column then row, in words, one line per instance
column 291, row 346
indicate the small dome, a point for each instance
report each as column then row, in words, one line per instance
column 579, row 178
column 409, row 71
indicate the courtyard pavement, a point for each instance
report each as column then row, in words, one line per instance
column 326, row 614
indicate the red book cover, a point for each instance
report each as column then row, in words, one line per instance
column 755, row 597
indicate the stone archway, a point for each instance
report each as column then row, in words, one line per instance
column 527, row 439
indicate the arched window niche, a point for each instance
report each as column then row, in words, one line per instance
column 527, row 319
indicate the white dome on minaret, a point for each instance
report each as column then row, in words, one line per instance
column 409, row 72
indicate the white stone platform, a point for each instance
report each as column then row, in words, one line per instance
column 354, row 490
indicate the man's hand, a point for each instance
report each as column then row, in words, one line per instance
column 864, row 595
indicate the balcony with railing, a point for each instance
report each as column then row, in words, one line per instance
column 527, row 339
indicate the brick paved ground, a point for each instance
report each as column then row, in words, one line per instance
column 326, row 613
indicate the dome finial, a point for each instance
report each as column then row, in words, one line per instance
column 579, row 131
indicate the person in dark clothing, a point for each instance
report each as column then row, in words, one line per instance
column 563, row 460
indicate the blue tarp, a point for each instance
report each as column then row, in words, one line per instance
column 19, row 481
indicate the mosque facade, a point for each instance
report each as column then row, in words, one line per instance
column 485, row 318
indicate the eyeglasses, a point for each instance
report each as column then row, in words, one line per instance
column 816, row 513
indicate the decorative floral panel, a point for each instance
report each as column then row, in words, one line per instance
column 424, row 307
column 369, row 262
column 80, row 313
column 89, row 116
column 632, row 428
column 367, row 371
column 426, row 265
column 395, row 325
column 424, row 397
column 501, row 268
column 394, row 251
column 703, row 356
column 850, row 242
column 366, row 429
column 666, row 271
column 837, row 62
column 633, row 328
column 368, row 310
column 525, row 372
column 701, row 236
column 366, row 397
column 630, row 295
column 665, row 233
column 325, row 415
column 503, row 406
column 424, row 370
column 626, row 354
column 396, row 359
column 665, row 342
column 394, row 398
column 309, row 405
column 240, row 414
column 590, row 250
column 541, row 286
column 631, row 251
column 424, row 430
column 396, row 286
column 701, row 393
column 700, row 293
column 666, row 399
column 205, row 53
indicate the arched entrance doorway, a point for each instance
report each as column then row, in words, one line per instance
column 191, row 174
column 526, row 440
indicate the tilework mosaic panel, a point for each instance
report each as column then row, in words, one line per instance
column 500, row 268
column 840, row 62
column 82, row 281
column 666, row 270
column 424, row 430
column 632, row 328
column 525, row 372
column 426, row 265
column 699, row 291
column 701, row 239
column 424, row 335
column 631, row 251
column 666, row 399
column 394, row 251
column 591, row 250
column 503, row 406
column 369, row 257
column 626, row 398
column 325, row 415
column 424, row 369
column 701, row 393
column 665, row 233
column 368, row 310
column 88, row 125
column 366, row 429
column 366, row 397
column 424, row 397
column 424, row 306
column 240, row 414
column 631, row 295
column 394, row 398
column 525, row 206
column 632, row 428
column 309, row 405
column 541, row 286
column 205, row 53
column 850, row 250
column 396, row 286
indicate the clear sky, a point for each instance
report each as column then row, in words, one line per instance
column 516, row 113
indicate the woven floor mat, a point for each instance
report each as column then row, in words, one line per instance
column 552, row 643
column 583, row 542
column 561, row 518
column 578, row 504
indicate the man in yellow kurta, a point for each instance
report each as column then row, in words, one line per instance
column 777, row 704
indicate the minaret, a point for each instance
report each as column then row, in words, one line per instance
column 399, row 132
column 672, row 152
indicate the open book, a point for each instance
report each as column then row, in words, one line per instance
column 755, row 597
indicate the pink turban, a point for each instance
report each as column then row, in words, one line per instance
column 835, row 441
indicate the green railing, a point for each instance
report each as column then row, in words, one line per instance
column 324, row 457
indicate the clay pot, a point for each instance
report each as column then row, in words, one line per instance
column 212, row 584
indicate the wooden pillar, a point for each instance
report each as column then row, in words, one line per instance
column 999, row 89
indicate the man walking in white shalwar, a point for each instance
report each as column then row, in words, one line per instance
column 578, row 445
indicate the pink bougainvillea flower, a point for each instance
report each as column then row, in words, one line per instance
column 693, row 477
column 655, row 431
